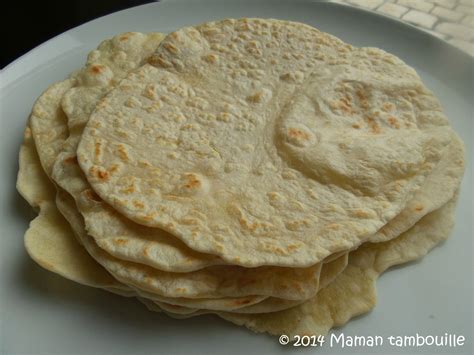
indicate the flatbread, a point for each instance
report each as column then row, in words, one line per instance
column 105, row 67
column 126, row 240
column 234, row 282
column 50, row 242
column 329, row 272
column 264, row 142
column 100, row 74
column 79, row 95
column 353, row 292
column 210, row 282
column 49, row 124
column 49, row 239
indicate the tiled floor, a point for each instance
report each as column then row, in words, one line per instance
column 451, row 20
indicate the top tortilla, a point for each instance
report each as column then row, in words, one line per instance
column 264, row 142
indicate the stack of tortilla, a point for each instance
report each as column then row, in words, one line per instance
column 257, row 169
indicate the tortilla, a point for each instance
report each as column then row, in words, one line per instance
column 353, row 292
column 264, row 142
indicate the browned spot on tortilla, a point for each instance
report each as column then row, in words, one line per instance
column 120, row 241
column 128, row 190
column 279, row 251
column 345, row 105
column 71, row 160
column 210, row 58
column 393, row 122
column 241, row 302
column 361, row 94
column 419, row 208
column 356, row 126
column 98, row 149
column 255, row 98
column 97, row 68
column 103, row 175
column 149, row 217
column 138, row 204
column 124, row 37
column 250, row 226
column 387, row 106
column 99, row 173
column 122, row 152
column 298, row 134
column 145, row 251
column 192, row 181
column 158, row 61
column 292, row 247
column 333, row 226
column 170, row 48
column 113, row 168
column 364, row 102
column 361, row 213
column 374, row 127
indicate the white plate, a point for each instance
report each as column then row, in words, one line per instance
column 41, row 313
